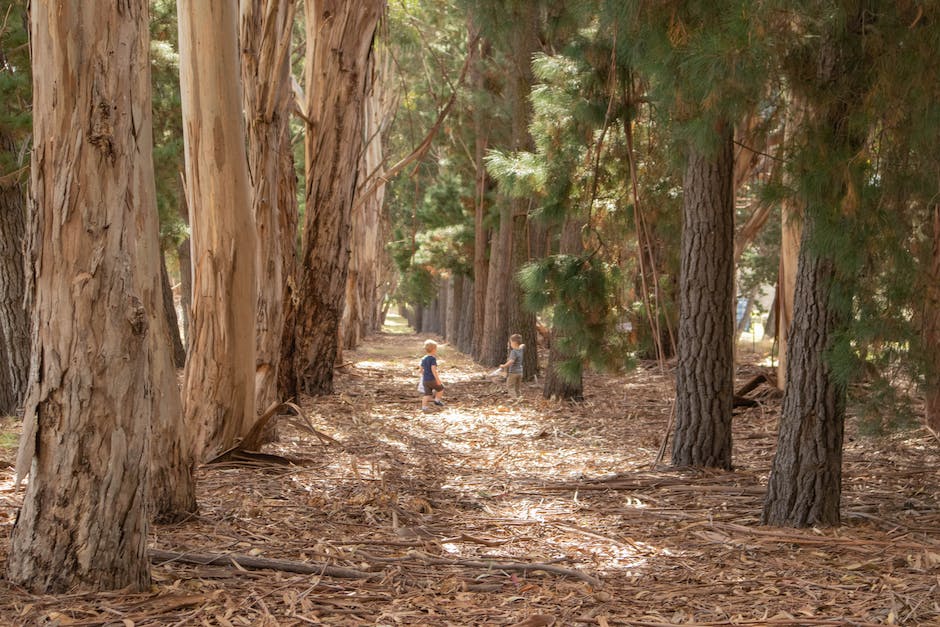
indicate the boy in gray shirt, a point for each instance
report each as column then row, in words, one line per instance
column 514, row 363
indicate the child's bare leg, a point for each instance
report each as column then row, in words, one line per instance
column 425, row 401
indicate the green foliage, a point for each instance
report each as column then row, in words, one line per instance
column 167, row 122
column 859, row 156
column 15, row 89
column 430, row 207
column 578, row 291
column 437, row 239
column 707, row 62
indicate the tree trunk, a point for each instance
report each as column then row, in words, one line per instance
column 443, row 298
column 453, row 305
column 790, row 234
column 498, row 277
column 806, row 478
column 339, row 36
column 265, row 31
column 218, row 393
column 481, row 235
column 367, row 249
column 505, row 312
column 521, row 320
column 705, row 369
column 172, row 454
column 557, row 386
column 14, row 320
column 169, row 309
column 90, row 403
column 932, row 327
column 184, row 254
column 289, row 218
column 465, row 315
column 805, row 482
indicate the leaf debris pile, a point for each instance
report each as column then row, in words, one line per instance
column 494, row 512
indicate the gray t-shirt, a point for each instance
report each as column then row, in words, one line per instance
column 516, row 355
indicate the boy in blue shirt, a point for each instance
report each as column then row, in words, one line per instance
column 430, row 379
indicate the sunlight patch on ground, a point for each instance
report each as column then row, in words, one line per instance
column 372, row 364
column 605, row 552
column 394, row 323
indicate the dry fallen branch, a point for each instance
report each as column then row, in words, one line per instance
column 160, row 557
column 246, row 451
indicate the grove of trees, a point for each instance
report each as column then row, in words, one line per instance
column 606, row 178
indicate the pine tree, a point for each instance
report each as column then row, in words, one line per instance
column 706, row 65
column 806, row 478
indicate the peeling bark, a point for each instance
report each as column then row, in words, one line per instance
column 340, row 38
column 218, row 389
column 95, row 383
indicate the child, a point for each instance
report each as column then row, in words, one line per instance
column 514, row 363
column 430, row 378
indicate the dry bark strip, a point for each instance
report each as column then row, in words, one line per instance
column 158, row 556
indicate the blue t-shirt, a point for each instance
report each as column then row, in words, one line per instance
column 426, row 363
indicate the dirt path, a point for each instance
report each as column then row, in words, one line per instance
column 493, row 513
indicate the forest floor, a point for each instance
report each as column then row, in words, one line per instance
column 529, row 513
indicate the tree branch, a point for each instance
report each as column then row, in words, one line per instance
column 425, row 144
column 159, row 557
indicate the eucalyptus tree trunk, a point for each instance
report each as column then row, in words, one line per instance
column 450, row 313
column 339, row 36
column 184, row 254
column 521, row 320
column 504, row 313
column 465, row 315
column 481, row 235
column 14, row 321
column 266, row 77
column 172, row 454
column 172, row 321
column 705, row 369
column 218, row 389
column 790, row 235
column 366, row 222
column 95, row 386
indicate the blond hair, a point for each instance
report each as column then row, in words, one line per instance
column 429, row 346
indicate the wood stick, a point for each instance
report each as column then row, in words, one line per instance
column 158, row 557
